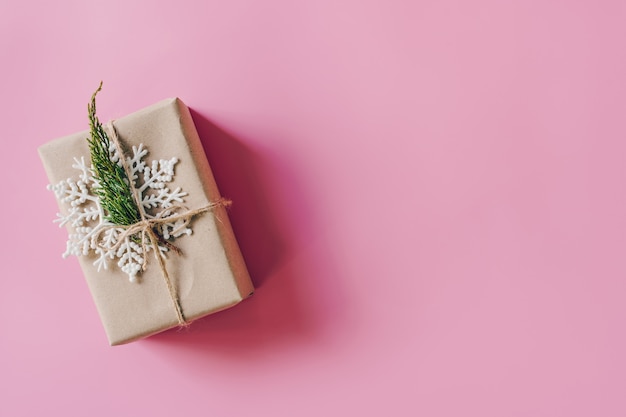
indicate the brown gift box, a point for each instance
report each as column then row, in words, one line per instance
column 210, row 275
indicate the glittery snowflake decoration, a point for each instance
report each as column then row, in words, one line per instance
column 93, row 234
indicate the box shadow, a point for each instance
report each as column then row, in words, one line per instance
column 273, row 314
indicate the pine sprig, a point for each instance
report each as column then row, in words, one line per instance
column 113, row 190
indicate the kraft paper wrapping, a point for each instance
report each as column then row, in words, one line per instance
column 210, row 275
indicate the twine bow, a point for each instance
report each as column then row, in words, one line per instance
column 147, row 225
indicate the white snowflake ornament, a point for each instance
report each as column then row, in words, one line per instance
column 93, row 234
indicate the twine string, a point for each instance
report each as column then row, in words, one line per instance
column 147, row 225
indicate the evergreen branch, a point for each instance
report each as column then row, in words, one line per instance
column 113, row 188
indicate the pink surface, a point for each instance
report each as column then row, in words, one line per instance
column 430, row 196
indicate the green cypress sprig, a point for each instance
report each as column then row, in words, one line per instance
column 113, row 190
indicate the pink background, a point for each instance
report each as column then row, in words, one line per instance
column 430, row 196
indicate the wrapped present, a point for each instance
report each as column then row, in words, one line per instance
column 177, row 259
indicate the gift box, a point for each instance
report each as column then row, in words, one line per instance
column 202, row 271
